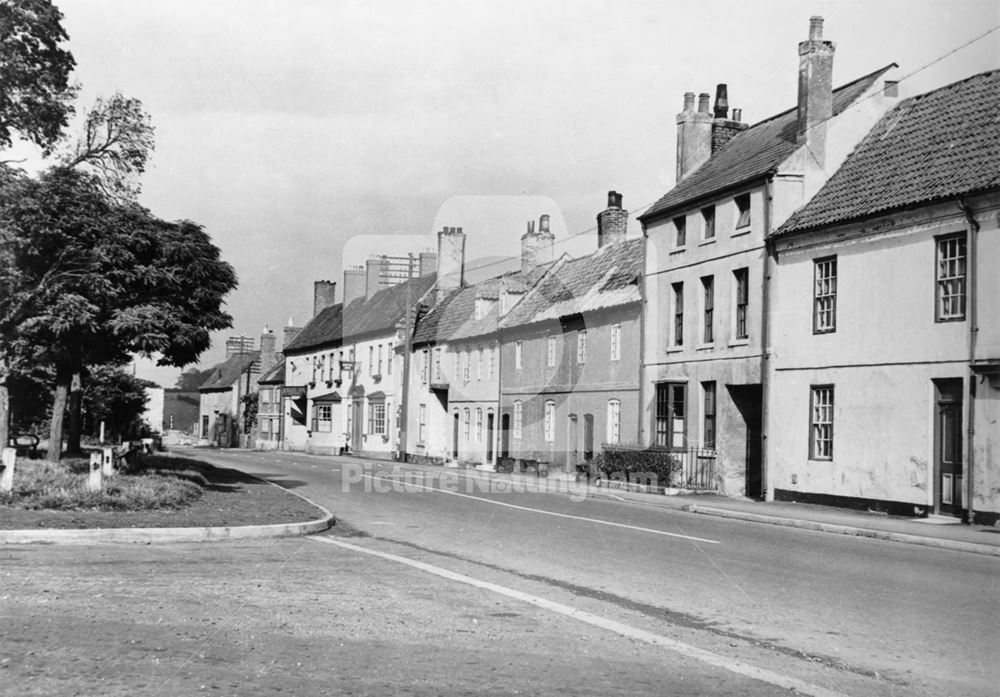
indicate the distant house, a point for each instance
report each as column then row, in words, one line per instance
column 270, row 416
column 569, row 371
column 705, row 332
column 886, row 331
column 222, row 406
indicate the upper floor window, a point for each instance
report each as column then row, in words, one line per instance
column 581, row 347
column 465, row 366
column 680, row 229
column 518, row 354
column 424, row 358
column 825, row 295
column 550, row 354
column 493, row 361
column 742, row 210
column 479, row 363
column 678, row 289
column 708, row 290
column 950, row 278
column 616, row 342
column 378, row 371
column 437, row 365
column 742, row 282
column 708, row 219
column 388, row 358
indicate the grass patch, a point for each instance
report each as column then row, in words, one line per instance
column 154, row 483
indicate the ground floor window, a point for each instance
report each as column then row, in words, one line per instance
column 323, row 418
column 518, row 419
column 821, row 423
column 671, row 402
column 422, row 423
column 550, row 421
column 614, row 421
column 708, row 408
column 376, row 418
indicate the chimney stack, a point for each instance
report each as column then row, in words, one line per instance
column 324, row 295
column 723, row 129
column 373, row 275
column 268, row 350
column 291, row 331
column 612, row 223
column 536, row 247
column 815, row 90
column 354, row 284
column 694, row 135
column 450, row 261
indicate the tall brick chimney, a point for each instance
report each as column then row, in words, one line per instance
column 612, row 222
column 373, row 275
column 724, row 128
column 324, row 295
column 694, row 134
column 268, row 350
column 536, row 247
column 354, row 284
column 815, row 90
column 450, row 261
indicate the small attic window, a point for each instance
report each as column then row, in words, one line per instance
column 742, row 210
column 680, row 224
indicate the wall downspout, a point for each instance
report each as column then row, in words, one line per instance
column 641, row 420
column 971, row 295
column 765, row 344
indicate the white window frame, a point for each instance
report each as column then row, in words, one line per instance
column 950, row 278
column 825, row 273
column 581, row 346
column 614, row 424
column 550, row 351
column 376, row 418
column 550, row 421
column 518, row 427
column 616, row 342
column 422, row 423
column 518, row 355
column 821, row 406
column 479, row 425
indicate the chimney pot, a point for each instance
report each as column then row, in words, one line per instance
column 614, row 199
column 815, row 28
column 703, row 103
column 689, row 101
column 543, row 224
column 531, row 227
column 721, row 101
column 737, row 114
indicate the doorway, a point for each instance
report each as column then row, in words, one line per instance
column 489, row 436
column 749, row 400
column 948, row 447
column 454, row 437
column 572, row 446
column 588, row 437
column 505, row 435
column 356, row 424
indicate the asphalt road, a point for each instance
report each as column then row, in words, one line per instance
column 852, row 615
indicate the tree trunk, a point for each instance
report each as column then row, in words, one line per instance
column 59, row 396
column 75, row 415
column 4, row 416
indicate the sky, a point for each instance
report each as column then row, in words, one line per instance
column 307, row 134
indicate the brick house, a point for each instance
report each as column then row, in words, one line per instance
column 705, row 331
column 886, row 331
column 568, row 379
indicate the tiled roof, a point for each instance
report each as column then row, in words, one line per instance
column 382, row 311
column 226, row 373
column 455, row 316
column 607, row 278
column 930, row 147
column 323, row 329
column 275, row 376
column 752, row 153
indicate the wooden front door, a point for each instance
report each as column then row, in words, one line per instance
column 489, row 436
column 357, row 414
column 948, row 469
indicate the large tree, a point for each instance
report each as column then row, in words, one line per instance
column 90, row 280
column 36, row 98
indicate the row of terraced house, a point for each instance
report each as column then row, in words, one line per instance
column 811, row 313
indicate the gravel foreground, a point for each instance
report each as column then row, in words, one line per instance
column 293, row 616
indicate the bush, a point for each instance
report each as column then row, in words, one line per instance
column 649, row 467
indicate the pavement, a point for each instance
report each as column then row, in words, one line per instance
column 934, row 531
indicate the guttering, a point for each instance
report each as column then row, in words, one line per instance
column 971, row 296
column 641, row 420
column 765, row 339
column 697, row 201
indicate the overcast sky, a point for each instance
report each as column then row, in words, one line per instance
column 288, row 127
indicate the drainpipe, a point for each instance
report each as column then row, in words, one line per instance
column 641, row 420
column 765, row 347
column 971, row 296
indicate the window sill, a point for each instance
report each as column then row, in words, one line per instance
column 675, row 349
column 739, row 342
column 740, row 231
column 706, row 347
column 678, row 250
column 710, row 240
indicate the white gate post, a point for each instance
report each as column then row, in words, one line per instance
column 94, row 479
column 7, row 469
